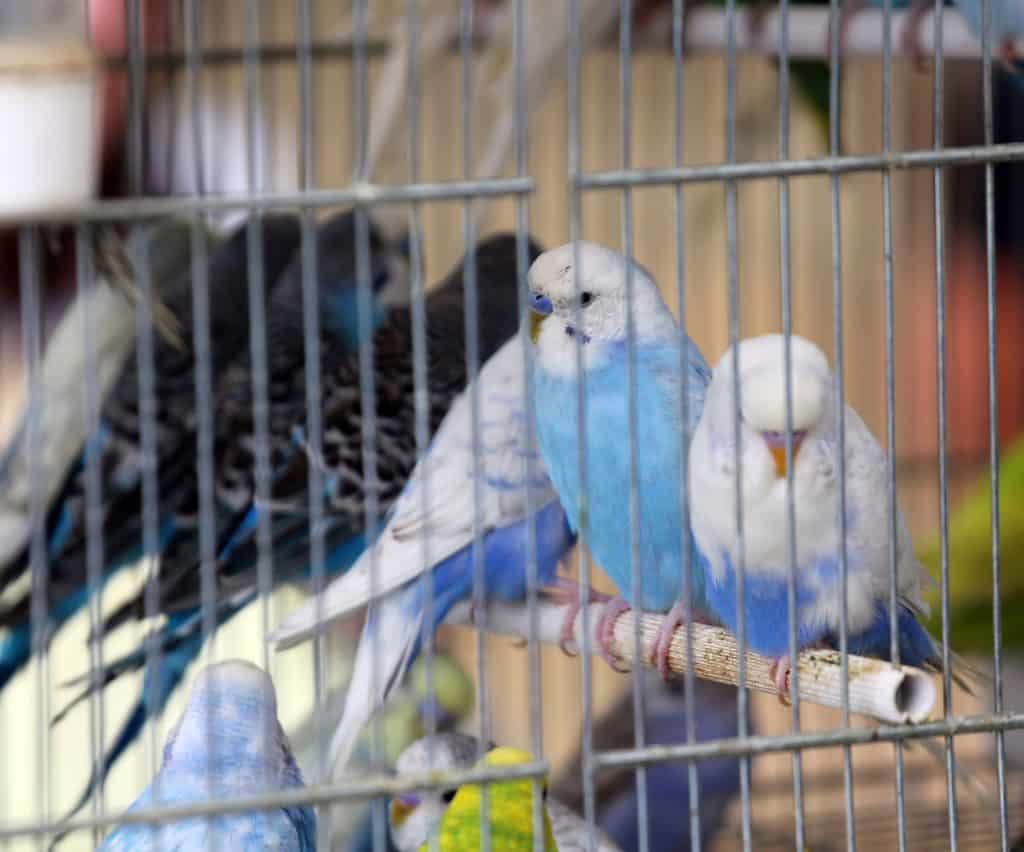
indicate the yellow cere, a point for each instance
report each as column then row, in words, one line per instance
column 509, row 811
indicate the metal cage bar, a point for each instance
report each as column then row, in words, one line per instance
column 367, row 196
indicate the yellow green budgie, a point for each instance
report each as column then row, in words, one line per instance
column 509, row 812
column 970, row 561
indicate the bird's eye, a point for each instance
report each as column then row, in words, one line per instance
column 544, row 794
column 447, row 796
column 586, row 297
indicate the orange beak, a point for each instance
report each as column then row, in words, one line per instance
column 401, row 807
column 777, row 447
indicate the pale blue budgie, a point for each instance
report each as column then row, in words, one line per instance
column 669, row 371
column 227, row 745
column 816, row 484
column 436, row 510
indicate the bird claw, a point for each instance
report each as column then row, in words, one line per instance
column 1008, row 57
column 847, row 12
column 778, row 671
column 606, row 632
column 568, row 592
column 663, row 641
column 910, row 38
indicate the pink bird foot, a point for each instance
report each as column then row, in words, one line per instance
column 910, row 39
column 1008, row 55
column 568, row 592
column 663, row 641
column 847, row 12
column 606, row 631
column 779, row 672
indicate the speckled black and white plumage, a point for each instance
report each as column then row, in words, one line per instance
column 120, row 457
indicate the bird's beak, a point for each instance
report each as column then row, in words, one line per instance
column 401, row 806
column 536, row 321
column 777, row 447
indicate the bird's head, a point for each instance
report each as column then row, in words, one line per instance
column 580, row 296
column 413, row 816
column 763, row 393
column 230, row 718
column 510, row 808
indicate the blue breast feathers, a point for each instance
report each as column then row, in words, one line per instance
column 660, row 442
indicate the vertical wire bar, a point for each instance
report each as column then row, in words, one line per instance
column 890, row 399
column 146, row 369
column 689, row 679
column 93, row 496
column 834, row 136
column 365, row 327
column 31, row 331
column 421, row 386
column 469, row 283
column 732, row 248
column 993, row 418
column 203, row 376
column 258, row 316
column 529, row 469
column 311, row 357
column 938, row 95
column 575, row 224
column 636, row 578
column 149, row 471
column 258, row 336
column 787, row 331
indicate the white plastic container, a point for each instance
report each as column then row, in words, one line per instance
column 48, row 135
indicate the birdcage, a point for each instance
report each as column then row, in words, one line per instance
column 677, row 136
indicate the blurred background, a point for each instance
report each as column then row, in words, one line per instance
column 169, row 170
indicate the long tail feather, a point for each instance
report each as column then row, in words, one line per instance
column 387, row 647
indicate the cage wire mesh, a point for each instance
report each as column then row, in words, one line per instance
column 437, row 124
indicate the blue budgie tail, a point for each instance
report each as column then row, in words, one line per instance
column 182, row 640
column 16, row 647
column 917, row 647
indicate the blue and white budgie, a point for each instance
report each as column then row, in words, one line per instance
column 180, row 637
column 413, row 817
column 667, row 366
column 816, row 485
column 450, row 493
column 120, row 446
column 228, row 744
column 182, row 632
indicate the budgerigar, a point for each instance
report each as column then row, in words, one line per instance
column 335, row 281
column 227, row 745
column 110, row 306
column 413, row 817
column 509, row 812
column 401, row 721
column 341, row 463
column 668, row 372
column 815, row 442
column 436, row 510
column 120, row 456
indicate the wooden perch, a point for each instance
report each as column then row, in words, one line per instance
column 877, row 689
